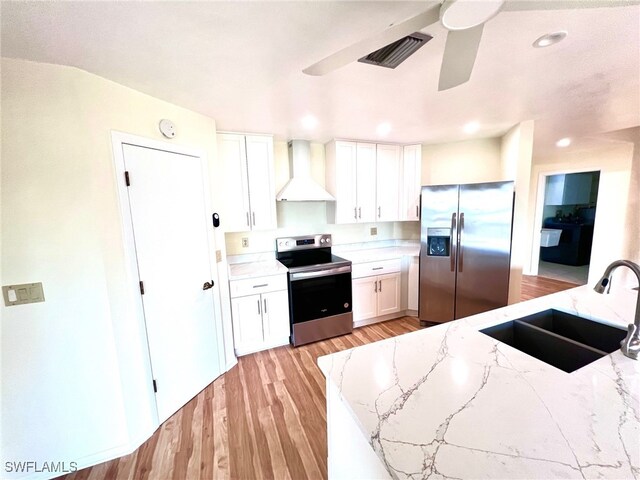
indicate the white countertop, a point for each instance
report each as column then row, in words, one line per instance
column 373, row 254
column 451, row 402
column 238, row 271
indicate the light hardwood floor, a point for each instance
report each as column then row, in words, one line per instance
column 265, row 418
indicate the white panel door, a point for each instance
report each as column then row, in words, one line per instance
column 366, row 182
column 364, row 298
column 233, row 155
column 345, row 166
column 411, row 182
column 388, row 293
column 170, row 222
column 247, row 322
column 275, row 316
column 262, row 197
column 388, row 165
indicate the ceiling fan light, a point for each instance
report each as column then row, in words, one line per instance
column 549, row 39
column 463, row 14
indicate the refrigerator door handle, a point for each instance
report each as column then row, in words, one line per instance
column 460, row 245
column 452, row 242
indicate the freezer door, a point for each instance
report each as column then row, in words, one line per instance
column 484, row 251
column 438, row 224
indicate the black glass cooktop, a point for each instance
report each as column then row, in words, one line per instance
column 305, row 258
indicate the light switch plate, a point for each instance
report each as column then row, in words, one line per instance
column 218, row 256
column 245, row 242
column 374, row 231
column 21, row 294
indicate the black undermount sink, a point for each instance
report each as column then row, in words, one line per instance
column 566, row 341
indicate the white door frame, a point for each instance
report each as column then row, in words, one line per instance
column 534, row 259
column 118, row 139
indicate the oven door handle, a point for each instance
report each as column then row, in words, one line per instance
column 319, row 273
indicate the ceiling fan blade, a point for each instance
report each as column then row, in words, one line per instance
column 526, row 5
column 459, row 56
column 368, row 45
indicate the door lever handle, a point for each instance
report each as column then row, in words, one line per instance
column 208, row 285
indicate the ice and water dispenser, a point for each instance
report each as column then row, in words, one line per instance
column 438, row 242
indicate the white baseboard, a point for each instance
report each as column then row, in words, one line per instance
column 263, row 346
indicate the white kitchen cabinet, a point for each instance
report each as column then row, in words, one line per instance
column 413, row 283
column 388, row 163
column 260, row 313
column 411, row 182
column 366, row 182
column 248, row 182
column 376, row 289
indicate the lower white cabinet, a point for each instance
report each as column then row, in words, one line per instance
column 260, row 320
column 376, row 295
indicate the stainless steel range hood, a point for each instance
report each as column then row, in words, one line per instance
column 301, row 187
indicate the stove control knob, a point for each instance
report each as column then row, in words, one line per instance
column 327, row 240
column 322, row 240
column 286, row 244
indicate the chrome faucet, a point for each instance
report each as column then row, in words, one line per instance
column 630, row 346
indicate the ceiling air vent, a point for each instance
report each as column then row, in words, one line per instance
column 397, row 52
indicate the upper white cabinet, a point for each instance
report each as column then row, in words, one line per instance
column 388, row 167
column 569, row 189
column 248, row 182
column 365, row 179
column 411, row 182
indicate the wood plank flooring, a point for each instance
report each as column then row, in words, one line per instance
column 264, row 419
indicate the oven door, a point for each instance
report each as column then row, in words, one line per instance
column 318, row 294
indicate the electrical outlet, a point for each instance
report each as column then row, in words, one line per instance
column 245, row 242
column 374, row 231
column 218, row 256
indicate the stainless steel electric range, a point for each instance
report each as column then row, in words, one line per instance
column 319, row 288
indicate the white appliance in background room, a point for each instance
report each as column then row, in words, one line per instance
column 465, row 249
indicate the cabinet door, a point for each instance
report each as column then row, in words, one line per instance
column 366, row 182
column 345, row 182
column 262, row 194
column 411, row 182
column 233, row 155
column 387, row 182
column 554, row 190
column 246, row 313
column 275, row 316
column 577, row 189
column 413, row 284
column 388, row 293
column 364, row 298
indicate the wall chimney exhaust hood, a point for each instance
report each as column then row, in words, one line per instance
column 301, row 187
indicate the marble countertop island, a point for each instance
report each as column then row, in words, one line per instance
column 451, row 402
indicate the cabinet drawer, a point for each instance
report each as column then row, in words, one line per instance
column 359, row 270
column 253, row 286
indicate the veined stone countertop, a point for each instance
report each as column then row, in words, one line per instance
column 451, row 402
column 238, row 271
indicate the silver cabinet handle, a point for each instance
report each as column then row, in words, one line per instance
column 452, row 241
column 375, row 286
column 261, row 285
column 417, row 211
column 355, row 213
column 248, row 224
column 460, row 244
column 359, row 212
column 254, row 218
column 265, row 305
column 379, row 212
column 377, row 268
column 380, row 286
column 259, row 311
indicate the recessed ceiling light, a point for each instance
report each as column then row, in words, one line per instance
column 384, row 128
column 563, row 142
column 471, row 127
column 549, row 39
column 309, row 122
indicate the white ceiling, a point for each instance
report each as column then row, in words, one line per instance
column 241, row 63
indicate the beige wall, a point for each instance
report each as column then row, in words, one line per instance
column 614, row 236
column 470, row 161
column 75, row 369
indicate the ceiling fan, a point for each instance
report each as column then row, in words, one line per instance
column 464, row 20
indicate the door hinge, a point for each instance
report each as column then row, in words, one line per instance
column 155, row 386
column 126, row 179
column 141, row 287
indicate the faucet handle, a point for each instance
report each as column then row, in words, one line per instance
column 630, row 346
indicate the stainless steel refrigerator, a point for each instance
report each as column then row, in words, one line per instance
column 465, row 249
